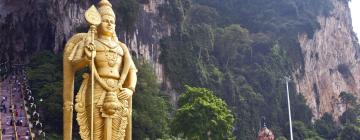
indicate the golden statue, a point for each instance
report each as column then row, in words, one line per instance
column 104, row 100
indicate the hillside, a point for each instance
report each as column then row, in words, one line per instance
column 240, row 49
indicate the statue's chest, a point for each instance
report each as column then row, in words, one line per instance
column 111, row 56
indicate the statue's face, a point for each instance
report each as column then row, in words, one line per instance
column 107, row 25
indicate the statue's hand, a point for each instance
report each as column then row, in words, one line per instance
column 90, row 50
column 88, row 42
column 91, row 46
column 125, row 94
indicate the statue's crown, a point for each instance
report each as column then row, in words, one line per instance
column 105, row 8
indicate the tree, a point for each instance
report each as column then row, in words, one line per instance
column 349, row 116
column 281, row 138
column 202, row 115
column 45, row 78
column 128, row 11
column 326, row 127
column 150, row 107
column 217, row 53
column 347, row 99
column 350, row 132
column 203, row 14
column 232, row 41
column 301, row 132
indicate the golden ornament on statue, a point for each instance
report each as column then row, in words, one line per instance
column 92, row 16
column 104, row 100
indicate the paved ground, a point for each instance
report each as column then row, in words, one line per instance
column 11, row 91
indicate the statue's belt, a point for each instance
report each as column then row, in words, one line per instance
column 114, row 87
column 104, row 84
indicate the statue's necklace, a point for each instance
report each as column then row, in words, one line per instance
column 110, row 54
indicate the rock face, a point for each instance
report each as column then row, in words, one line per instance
column 28, row 26
column 31, row 25
column 150, row 29
column 145, row 41
column 331, row 58
column 331, row 63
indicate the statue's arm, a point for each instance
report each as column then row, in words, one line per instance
column 80, row 59
column 80, row 54
column 71, row 59
column 131, row 78
column 77, row 55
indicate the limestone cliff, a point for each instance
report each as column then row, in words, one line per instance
column 331, row 57
column 145, row 41
column 331, row 63
column 149, row 29
column 28, row 26
column 31, row 25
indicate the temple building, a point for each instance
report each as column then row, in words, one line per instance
column 265, row 134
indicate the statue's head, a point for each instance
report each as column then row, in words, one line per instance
column 107, row 26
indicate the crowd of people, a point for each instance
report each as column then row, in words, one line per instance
column 20, row 118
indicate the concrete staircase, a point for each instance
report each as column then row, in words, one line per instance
column 14, row 112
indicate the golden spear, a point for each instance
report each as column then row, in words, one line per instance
column 93, row 17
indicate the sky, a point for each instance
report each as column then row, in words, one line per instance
column 355, row 15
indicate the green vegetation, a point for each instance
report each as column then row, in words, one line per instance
column 352, row 114
column 151, row 108
column 350, row 119
column 127, row 12
column 45, row 79
column 348, row 99
column 238, row 50
column 301, row 132
column 202, row 115
column 241, row 49
column 350, row 132
column 326, row 127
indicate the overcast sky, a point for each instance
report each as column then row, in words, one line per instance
column 355, row 14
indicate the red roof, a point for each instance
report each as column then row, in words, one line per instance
column 265, row 134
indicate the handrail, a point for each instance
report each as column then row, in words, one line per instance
column 12, row 112
column 27, row 118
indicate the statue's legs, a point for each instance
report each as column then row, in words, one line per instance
column 119, row 123
column 98, row 120
column 98, row 123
